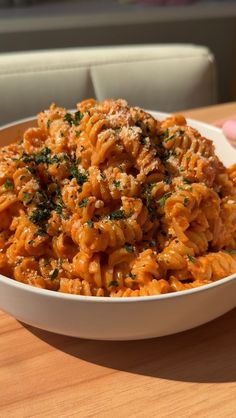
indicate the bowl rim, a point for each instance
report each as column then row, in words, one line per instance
column 18, row 122
column 105, row 299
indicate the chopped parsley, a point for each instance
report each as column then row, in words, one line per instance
column 118, row 214
column 78, row 175
column 129, row 248
column 187, row 181
column 163, row 199
column 9, row 185
column 68, row 118
column 32, row 170
column 53, row 274
column 150, row 201
column 49, row 123
column 59, row 208
column 186, row 200
column 83, row 203
column 170, row 138
column 73, row 119
column 164, row 134
column 27, row 198
column 113, row 283
column 77, row 117
column 26, row 158
column 116, row 184
column 230, row 251
column 43, row 157
column 143, row 141
column 90, row 223
column 41, row 232
column 40, row 215
column 152, row 243
column 192, row 259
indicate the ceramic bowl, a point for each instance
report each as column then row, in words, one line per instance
column 113, row 318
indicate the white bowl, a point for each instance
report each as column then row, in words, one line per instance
column 125, row 318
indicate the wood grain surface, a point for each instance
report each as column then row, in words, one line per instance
column 192, row 374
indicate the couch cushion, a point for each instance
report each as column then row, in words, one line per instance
column 160, row 77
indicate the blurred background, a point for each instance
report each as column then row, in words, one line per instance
column 27, row 25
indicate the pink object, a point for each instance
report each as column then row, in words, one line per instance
column 167, row 2
column 229, row 129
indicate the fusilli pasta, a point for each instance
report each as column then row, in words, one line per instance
column 109, row 201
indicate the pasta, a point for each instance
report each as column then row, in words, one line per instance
column 109, row 201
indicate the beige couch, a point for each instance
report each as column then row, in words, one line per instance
column 162, row 77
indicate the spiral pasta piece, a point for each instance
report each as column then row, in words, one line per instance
column 213, row 266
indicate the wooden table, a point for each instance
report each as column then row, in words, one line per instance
column 192, row 374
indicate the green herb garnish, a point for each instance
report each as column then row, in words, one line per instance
column 41, row 232
column 129, row 248
column 80, row 177
column 59, row 208
column 27, row 198
column 83, row 203
column 116, row 184
column 187, row 181
column 90, row 223
column 73, row 119
column 230, row 251
column 186, row 200
column 165, row 134
column 77, row 117
column 26, row 158
column 152, row 243
column 9, row 185
column 170, row 138
column 163, row 199
column 54, row 274
column 68, row 118
column 43, row 157
column 118, row 214
column 49, row 123
column 192, row 259
column 40, row 215
column 113, row 283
